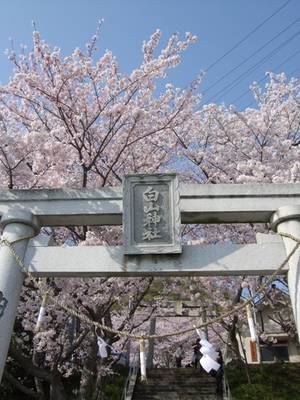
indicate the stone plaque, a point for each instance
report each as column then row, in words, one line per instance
column 151, row 215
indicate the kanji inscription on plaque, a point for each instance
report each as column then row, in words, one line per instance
column 151, row 215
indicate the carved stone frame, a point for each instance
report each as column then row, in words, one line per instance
column 130, row 246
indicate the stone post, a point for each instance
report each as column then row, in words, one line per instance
column 150, row 354
column 204, row 319
column 16, row 224
column 287, row 220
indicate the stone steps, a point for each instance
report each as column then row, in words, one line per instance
column 176, row 384
column 178, row 396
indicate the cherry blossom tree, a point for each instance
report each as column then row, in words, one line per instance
column 106, row 122
column 77, row 121
column 256, row 145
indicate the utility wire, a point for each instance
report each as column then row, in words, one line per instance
column 264, row 77
column 251, row 55
column 249, row 71
column 247, row 36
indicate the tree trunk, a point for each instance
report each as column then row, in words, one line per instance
column 57, row 391
column 88, row 384
column 38, row 382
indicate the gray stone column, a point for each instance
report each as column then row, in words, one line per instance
column 16, row 224
column 287, row 220
column 150, row 354
column 204, row 319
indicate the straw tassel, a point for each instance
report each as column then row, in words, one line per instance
column 251, row 324
column 42, row 313
column 143, row 360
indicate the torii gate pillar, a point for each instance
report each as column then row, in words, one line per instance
column 287, row 220
column 16, row 225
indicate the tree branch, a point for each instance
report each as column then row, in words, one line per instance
column 18, row 385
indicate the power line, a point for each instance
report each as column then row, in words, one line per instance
column 247, row 36
column 264, row 77
column 251, row 55
column 248, row 72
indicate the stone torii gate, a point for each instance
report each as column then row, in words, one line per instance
column 24, row 212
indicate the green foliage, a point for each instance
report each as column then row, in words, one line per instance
column 256, row 391
column 276, row 381
column 113, row 386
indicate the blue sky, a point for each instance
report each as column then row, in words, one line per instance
column 219, row 24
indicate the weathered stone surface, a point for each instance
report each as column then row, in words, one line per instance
column 195, row 260
column 224, row 203
column 151, row 215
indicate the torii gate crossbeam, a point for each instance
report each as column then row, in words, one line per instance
column 204, row 204
column 195, row 260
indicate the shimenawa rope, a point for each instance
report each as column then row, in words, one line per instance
column 143, row 337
